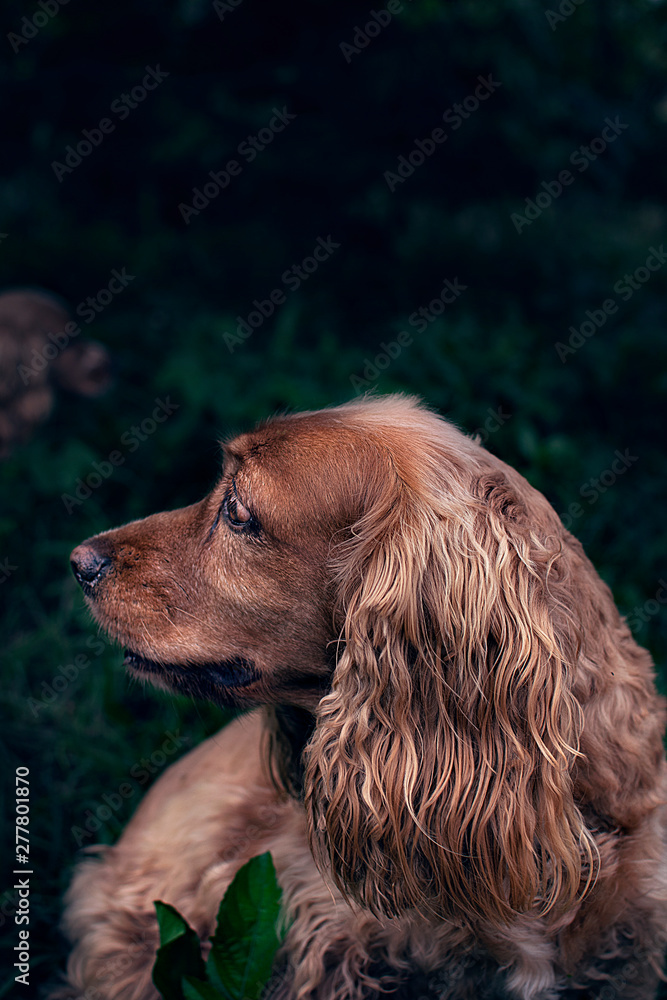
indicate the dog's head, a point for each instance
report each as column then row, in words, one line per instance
column 375, row 567
column 232, row 598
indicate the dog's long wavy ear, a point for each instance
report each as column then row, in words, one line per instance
column 438, row 774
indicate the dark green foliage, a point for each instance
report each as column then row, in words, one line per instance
column 243, row 946
column 179, row 954
column 245, row 939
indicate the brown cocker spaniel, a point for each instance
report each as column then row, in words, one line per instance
column 454, row 750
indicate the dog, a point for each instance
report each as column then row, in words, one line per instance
column 42, row 352
column 448, row 738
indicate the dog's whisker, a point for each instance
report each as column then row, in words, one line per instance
column 200, row 621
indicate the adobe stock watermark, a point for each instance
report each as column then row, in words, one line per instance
column 364, row 34
column 596, row 486
column 65, row 675
column 131, row 439
column 454, row 117
column 639, row 616
column 117, row 964
column 140, row 774
column 223, row 7
column 630, row 974
column 31, row 26
column 624, row 288
column 292, row 279
column 581, row 158
column 495, row 419
column 566, row 8
column 267, row 818
column 120, row 107
column 249, row 149
column 88, row 309
column 419, row 320
column 6, row 569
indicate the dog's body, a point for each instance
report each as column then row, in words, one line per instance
column 469, row 784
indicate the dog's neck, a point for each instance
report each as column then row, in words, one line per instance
column 290, row 730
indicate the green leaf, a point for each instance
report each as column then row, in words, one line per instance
column 179, row 953
column 170, row 923
column 245, row 940
column 197, row 989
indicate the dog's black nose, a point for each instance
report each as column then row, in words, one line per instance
column 89, row 565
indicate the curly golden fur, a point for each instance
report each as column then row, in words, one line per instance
column 466, row 790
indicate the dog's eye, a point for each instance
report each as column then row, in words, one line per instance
column 236, row 514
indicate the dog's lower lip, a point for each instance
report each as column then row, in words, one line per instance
column 235, row 672
column 131, row 659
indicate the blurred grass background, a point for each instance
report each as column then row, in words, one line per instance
column 494, row 347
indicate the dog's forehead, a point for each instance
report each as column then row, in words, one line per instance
column 282, row 441
column 347, row 452
column 315, row 458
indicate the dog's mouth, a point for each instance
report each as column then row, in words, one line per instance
column 211, row 681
